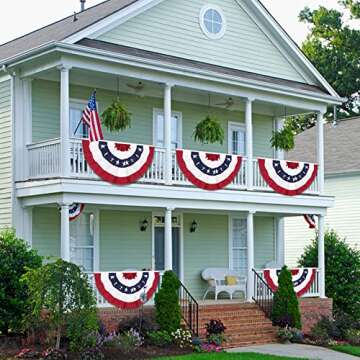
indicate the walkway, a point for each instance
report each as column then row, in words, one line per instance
column 296, row 350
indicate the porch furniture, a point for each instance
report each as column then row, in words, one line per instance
column 217, row 281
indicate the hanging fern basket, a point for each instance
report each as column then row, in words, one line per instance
column 209, row 131
column 116, row 117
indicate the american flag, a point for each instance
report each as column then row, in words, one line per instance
column 91, row 118
column 311, row 220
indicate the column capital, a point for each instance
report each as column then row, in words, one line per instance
column 64, row 67
column 64, row 204
column 252, row 212
column 250, row 99
column 170, row 208
column 169, row 84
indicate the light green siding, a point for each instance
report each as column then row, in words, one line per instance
column 46, row 118
column 343, row 218
column 172, row 28
column 5, row 155
column 264, row 240
column 46, row 231
column 122, row 244
column 207, row 247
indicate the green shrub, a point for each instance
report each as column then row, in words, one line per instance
column 159, row 338
column 286, row 305
column 319, row 334
column 342, row 276
column 353, row 337
column 167, row 307
column 16, row 257
column 63, row 292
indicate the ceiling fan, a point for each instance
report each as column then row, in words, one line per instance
column 229, row 103
column 138, row 87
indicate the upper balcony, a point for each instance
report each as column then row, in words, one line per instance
column 164, row 114
column 45, row 163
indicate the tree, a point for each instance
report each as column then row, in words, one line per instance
column 63, row 292
column 342, row 275
column 167, row 307
column 286, row 305
column 333, row 47
column 16, row 257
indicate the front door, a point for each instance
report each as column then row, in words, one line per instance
column 159, row 242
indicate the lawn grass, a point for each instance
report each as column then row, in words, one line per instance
column 348, row 349
column 229, row 356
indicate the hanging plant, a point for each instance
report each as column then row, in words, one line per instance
column 283, row 139
column 116, row 117
column 209, row 131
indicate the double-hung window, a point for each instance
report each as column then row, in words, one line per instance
column 159, row 129
column 238, row 245
column 82, row 244
column 78, row 129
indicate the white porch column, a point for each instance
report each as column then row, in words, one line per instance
column 168, row 239
column 321, row 256
column 65, row 232
column 249, row 144
column 64, row 119
column 167, row 135
column 250, row 257
column 320, row 151
column 279, row 124
column 280, row 241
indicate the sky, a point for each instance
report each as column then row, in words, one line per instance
column 16, row 22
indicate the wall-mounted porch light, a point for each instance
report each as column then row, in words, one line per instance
column 144, row 225
column 193, row 226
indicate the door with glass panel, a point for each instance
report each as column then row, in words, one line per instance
column 238, row 246
column 82, row 245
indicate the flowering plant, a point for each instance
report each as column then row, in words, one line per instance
column 210, row 348
column 182, row 338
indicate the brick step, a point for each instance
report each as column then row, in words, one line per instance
column 236, row 329
column 237, row 318
column 252, row 338
column 228, row 309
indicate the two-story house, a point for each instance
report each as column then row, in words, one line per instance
column 171, row 62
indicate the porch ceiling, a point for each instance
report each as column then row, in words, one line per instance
column 123, row 84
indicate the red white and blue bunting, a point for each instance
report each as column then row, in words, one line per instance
column 302, row 279
column 311, row 220
column 127, row 290
column 75, row 211
column 288, row 177
column 208, row 171
column 118, row 163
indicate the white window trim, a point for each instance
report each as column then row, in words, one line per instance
column 210, row 35
column 231, row 126
column 158, row 111
column 230, row 244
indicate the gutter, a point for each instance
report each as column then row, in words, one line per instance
column 108, row 56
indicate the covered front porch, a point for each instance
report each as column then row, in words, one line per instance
column 109, row 238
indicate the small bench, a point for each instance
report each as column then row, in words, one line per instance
column 216, row 279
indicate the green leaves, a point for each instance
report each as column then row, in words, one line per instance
column 342, row 264
column 209, row 131
column 283, row 139
column 333, row 47
column 116, row 117
column 16, row 258
column 286, row 305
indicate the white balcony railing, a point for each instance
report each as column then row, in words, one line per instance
column 45, row 162
column 314, row 290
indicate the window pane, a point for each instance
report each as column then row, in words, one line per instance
column 216, row 28
column 83, row 258
column 240, row 261
column 239, row 233
column 81, row 230
column 217, row 17
column 75, row 117
column 160, row 131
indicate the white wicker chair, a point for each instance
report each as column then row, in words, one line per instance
column 216, row 279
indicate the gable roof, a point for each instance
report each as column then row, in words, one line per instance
column 342, row 147
column 62, row 29
column 110, row 13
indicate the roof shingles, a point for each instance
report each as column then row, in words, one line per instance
column 342, row 147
